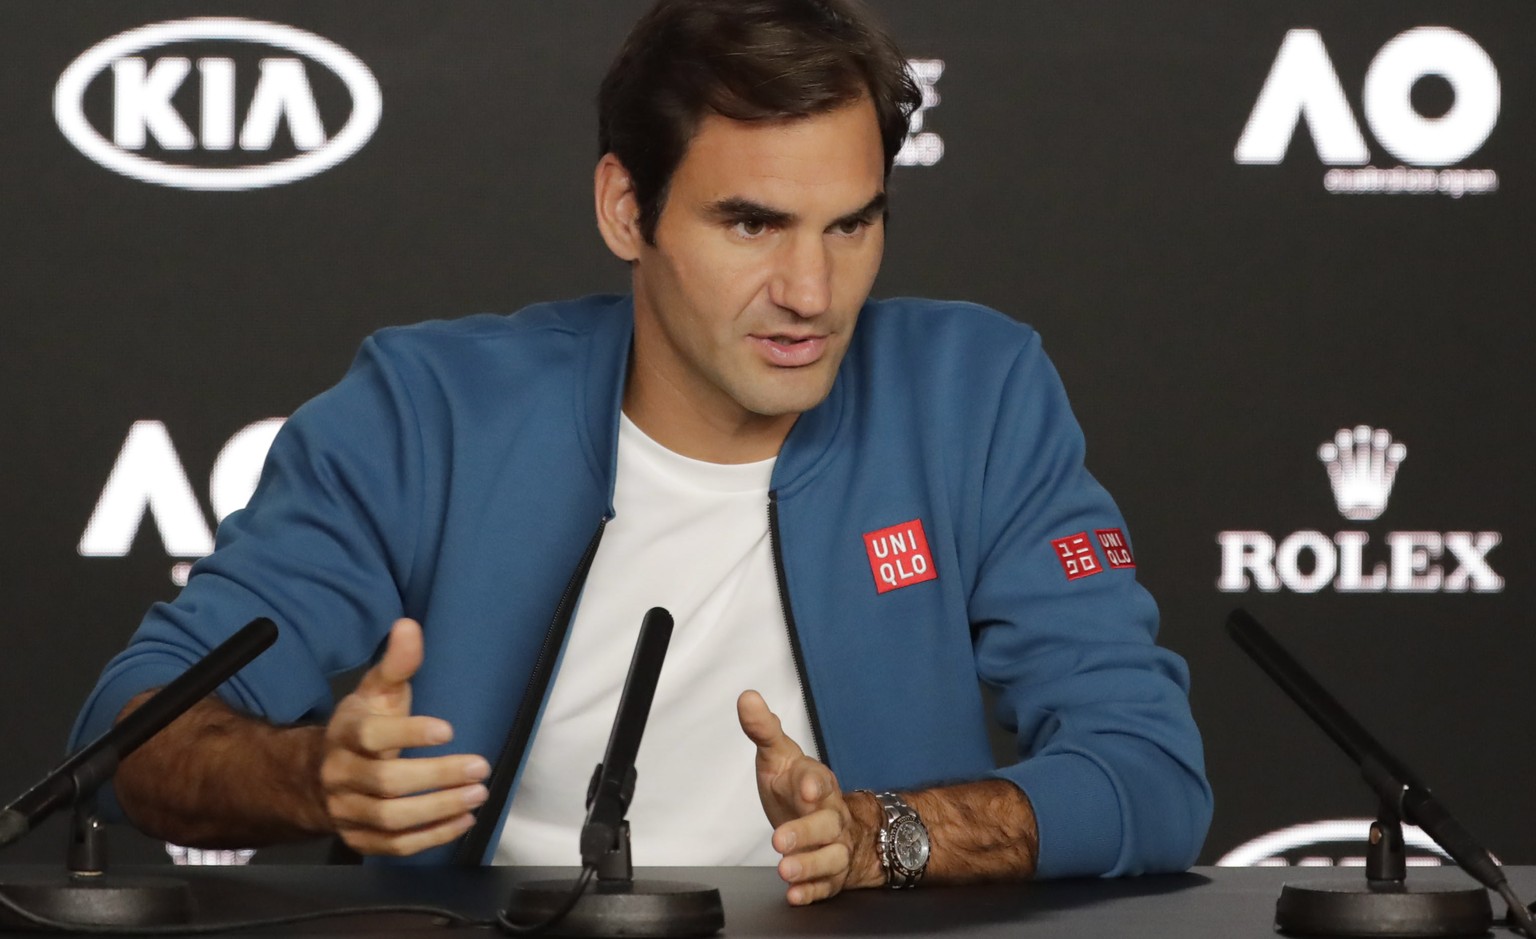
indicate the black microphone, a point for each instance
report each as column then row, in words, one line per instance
column 85, row 770
column 1386, row 899
column 613, row 782
column 616, row 904
column 1386, row 773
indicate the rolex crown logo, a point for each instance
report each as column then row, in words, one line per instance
column 1362, row 464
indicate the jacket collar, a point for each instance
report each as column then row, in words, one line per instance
column 610, row 329
column 600, row 398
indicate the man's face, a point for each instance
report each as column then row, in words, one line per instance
column 765, row 250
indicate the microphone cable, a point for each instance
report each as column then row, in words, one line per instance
column 533, row 929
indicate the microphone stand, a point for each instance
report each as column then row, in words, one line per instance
column 1386, row 904
column 86, row 895
column 616, row 904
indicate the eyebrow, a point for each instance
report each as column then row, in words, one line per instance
column 878, row 206
column 738, row 208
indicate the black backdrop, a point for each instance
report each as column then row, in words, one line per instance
column 1215, row 322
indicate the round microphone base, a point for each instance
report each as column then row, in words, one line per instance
column 1360, row 909
column 106, row 900
column 662, row 908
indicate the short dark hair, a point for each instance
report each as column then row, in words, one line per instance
column 747, row 60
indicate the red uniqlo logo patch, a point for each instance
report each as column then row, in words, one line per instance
column 899, row 556
column 1076, row 555
column 1116, row 549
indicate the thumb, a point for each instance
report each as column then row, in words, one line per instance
column 763, row 727
column 388, row 681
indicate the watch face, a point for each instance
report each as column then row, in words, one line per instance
column 910, row 842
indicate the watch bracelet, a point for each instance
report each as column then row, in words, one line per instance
column 893, row 808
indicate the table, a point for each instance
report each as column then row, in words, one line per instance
column 1206, row 902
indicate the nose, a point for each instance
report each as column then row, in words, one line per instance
column 803, row 281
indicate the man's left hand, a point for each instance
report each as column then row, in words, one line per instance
column 827, row 845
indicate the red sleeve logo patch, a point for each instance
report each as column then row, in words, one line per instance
column 1075, row 553
column 1116, row 549
column 899, row 556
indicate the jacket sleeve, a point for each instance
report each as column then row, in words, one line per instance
column 322, row 549
column 1109, row 754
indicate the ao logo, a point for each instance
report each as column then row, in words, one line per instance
column 923, row 147
column 142, row 104
column 148, row 479
column 1302, row 84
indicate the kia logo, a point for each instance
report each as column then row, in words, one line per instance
column 144, row 106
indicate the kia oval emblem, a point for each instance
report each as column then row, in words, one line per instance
column 142, row 102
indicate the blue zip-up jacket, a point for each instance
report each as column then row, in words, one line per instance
column 461, row 472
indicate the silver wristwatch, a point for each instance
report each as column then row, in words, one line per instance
column 903, row 845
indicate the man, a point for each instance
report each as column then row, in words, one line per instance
column 856, row 509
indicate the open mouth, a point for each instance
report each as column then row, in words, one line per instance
column 789, row 350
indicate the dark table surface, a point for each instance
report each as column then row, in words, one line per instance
column 1206, row 902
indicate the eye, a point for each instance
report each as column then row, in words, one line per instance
column 750, row 227
column 851, row 226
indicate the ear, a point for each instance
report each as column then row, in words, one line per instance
column 618, row 212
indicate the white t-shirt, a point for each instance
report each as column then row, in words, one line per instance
column 691, row 537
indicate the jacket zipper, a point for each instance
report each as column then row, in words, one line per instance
column 789, row 623
column 470, row 851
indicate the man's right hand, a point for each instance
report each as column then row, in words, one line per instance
column 379, row 802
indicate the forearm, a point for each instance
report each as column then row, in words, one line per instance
column 983, row 830
column 216, row 778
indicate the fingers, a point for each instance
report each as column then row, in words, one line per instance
column 817, row 856
column 378, row 802
column 763, row 727
column 815, row 875
column 401, row 806
column 347, row 772
column 789, row 783
column 355, row 811
column 366, row 840
column 809, row 833
column 375, row 735
column 375, row 718
column 387, row 683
